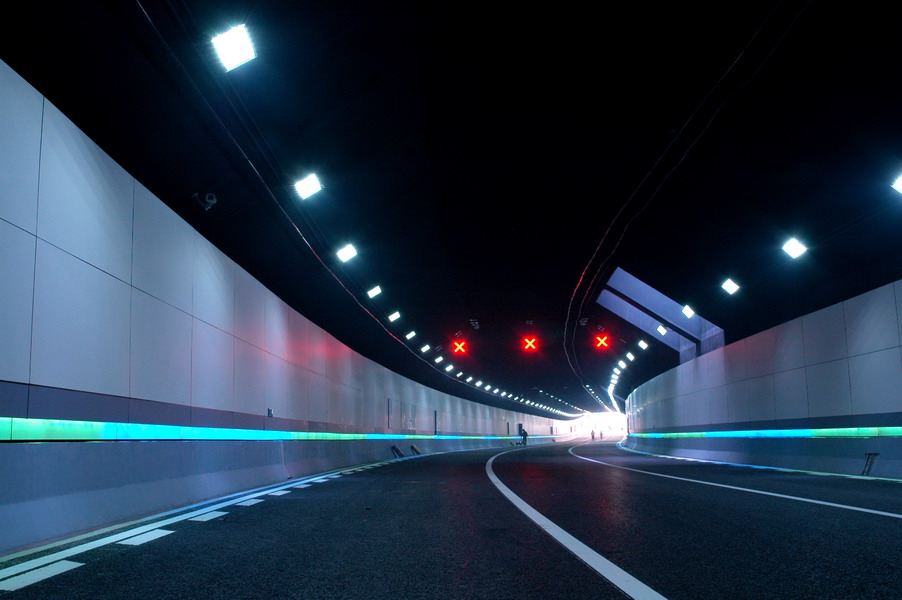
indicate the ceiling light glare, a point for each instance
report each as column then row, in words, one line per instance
column 347, row 253
column 308, row 186
column 616, row 371
column 449, row 367
column 643, row 345
column 375, row 292
column 897, row 184
column 459, row 374
column 687, row 310
column 234, row 47
column 411, row 335
column 479, row 383
column 630, row 356
column 730, row 286
column 622, row 364
column 394, row 316
column 662, row 330
column 439, row 359
column 794, row 248
column 424, row 348
column 488, row 386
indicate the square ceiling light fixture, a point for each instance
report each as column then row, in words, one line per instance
column 347, row 253
column 794, row 248
column 234, row 47
column 730, row 286
column 687, row 310
column 897, row 184
column 308, row 186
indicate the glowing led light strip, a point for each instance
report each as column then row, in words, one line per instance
column 15, row 429
column 837, row 432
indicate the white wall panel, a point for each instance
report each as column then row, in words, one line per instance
column 21, row 107
column 160, row 351
column 718, row 405
column 214, row 286
column 299, row 401
column 876, row 381
column 278, row 387
column 759, row 354
column 17, row 253
column 86, row 200
column 299, row 328
column 163, row 252
column 250, row 308
column 824, row 334
column 277, row 326
column 250, row 379
column 319, row 396
column 790, row 394
column 871, row 321
column 828, row 389
column 81, row 325
column 738, row 401
column 761, row 398
column 212, row 367
column 789, row 347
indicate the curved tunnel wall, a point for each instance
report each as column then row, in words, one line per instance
column 821, row 392
column 114, row 310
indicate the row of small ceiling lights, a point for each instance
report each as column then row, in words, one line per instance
column 793, row 247
column 234, row 49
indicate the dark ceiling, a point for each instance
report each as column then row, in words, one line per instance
column 494, row 165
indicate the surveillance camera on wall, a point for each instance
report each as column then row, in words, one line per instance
column 208, row 201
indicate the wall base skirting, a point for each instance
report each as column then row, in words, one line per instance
column 59, row 489
column 847, row 456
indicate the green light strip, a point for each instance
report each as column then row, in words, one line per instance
column 837, row 432
column 14, row 429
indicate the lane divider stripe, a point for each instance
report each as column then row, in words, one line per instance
column 20, row 581
column 628, row 584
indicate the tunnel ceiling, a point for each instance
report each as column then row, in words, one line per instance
column 493, row 166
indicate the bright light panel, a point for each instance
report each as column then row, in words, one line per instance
column 622, row 364
column 662, row 330
column 234, row 47
column 630, row 356
column 616, row 370
column 449, row 367
column 347, row 253
column 897, row 184
column 308, row 186
column 687, row 310
column 394, row 316
column 730, row 286
column 374, row 292
column 411, row 335
column 643, row 345
column 794, row 248
column 439, row 359
column 425, row 348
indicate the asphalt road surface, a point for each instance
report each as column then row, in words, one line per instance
column 566, row 520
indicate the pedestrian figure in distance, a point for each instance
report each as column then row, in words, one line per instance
column 524, row 434
column 593, row 435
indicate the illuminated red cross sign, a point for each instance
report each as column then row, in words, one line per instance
column 530, row 343
column 601, row 341
column 460, row 347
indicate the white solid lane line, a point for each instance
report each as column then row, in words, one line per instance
column 743, row 489
column 628, row 584
column 20, row 581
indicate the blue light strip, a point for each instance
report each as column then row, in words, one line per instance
column 14, row 429
column 836, row 432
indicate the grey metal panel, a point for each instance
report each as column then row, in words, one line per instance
column 662, row 307
column 642, row 320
